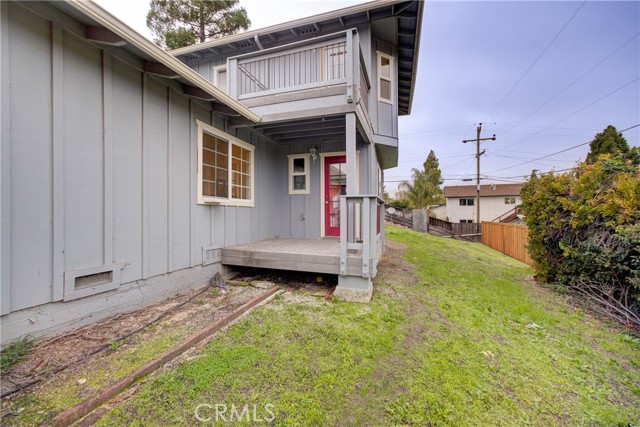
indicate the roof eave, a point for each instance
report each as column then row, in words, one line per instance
column 416, row 55
column 113, row 24
column 334, row 14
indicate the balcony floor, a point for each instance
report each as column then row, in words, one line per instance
column 310, row 255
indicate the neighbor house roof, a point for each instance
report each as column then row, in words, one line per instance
column 486, row 190
column 104, row 28
column 409, row 14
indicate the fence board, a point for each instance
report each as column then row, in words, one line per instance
column 510, row 239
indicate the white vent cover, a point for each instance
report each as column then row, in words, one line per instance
column 211, row 254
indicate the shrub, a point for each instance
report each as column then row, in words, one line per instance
column 584, row 231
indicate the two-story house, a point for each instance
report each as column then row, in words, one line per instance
column 498, row 202
column 130, row 173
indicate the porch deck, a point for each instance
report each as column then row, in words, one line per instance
column 311, row 255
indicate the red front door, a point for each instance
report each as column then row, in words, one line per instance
column 335, row 185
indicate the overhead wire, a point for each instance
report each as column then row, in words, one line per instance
column 557, row 152
column 573, row 82
column 575, row 112
column 535, row 61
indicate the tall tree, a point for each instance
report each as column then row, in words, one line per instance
column 179, row 23
column 609, row 141
column 424, row 189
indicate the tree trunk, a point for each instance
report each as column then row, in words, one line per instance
column 202, row 35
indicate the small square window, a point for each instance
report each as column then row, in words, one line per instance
column 220, row 77
column 299, row 174
column 509, row 200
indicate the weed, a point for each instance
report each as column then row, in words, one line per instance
column 16, row 353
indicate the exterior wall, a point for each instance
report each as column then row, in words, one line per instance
column 300, row 215
column 99, row 172
column 490, row 208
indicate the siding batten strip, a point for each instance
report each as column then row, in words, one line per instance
column 145, row 177
column 169, row 183
column 192, row 185
column 107, row 111
column 57, row 123
column 5, row 164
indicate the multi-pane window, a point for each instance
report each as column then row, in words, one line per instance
column 466, row 221
column 385, row 78
column 225, row 168
column 468, row 201
column 509, row 200
column 299, row 174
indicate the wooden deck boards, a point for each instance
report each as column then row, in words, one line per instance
column 312, row 255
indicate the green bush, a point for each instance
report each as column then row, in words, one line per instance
column 584, row 231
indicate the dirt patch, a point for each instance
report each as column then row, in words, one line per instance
column 90, row 345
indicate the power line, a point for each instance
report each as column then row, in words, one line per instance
column 573, row 82
column 535, row 61
column 576, row 112
column 557, row 152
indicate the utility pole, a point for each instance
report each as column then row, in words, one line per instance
column 478, row 154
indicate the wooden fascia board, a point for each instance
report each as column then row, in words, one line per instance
column 113, row 24
column 103, row 36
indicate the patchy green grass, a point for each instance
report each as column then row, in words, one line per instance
column 15, row 353
column 455, row 335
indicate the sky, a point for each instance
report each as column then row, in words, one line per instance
column 543, row 76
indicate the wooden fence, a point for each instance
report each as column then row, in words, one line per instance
column 510, row 239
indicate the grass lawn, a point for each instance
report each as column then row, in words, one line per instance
column 455, row 335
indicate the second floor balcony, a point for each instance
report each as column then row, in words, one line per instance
column 324, row 72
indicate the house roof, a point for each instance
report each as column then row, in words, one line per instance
column 486, row 190
column 104, row 28
column 408, row 16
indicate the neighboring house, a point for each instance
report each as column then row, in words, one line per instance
column 129, row 174
column 496, row 200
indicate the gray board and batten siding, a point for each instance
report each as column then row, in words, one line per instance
column 99, row 181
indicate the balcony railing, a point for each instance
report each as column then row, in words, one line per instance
column 301, row 68
column 320, row 62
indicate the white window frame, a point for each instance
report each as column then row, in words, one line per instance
column 216, row 70
column 509, row 200
column 390, row 79
column 306, row 173
column 232, row 140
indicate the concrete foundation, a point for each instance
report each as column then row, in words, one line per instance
column 354, row 289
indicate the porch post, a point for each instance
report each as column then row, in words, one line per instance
column 350, row 122
column 351, row 288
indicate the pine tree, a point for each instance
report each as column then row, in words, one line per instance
column 609, row 141
column 179, row 23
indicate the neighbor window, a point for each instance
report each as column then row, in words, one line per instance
column 470, row 201
column 299, row 174
column 225, row 168
column 385, row 78
column 220, row 77
column 465, row 221
column 509, row 200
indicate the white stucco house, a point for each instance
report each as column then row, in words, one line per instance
column 496, row 200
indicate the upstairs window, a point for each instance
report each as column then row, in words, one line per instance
column 509, row 200
column 220, row 77
column 469, row 201
column 385, row 78
column 225, row 168
column 299, row 174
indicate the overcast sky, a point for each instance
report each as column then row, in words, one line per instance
column 542, row 76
